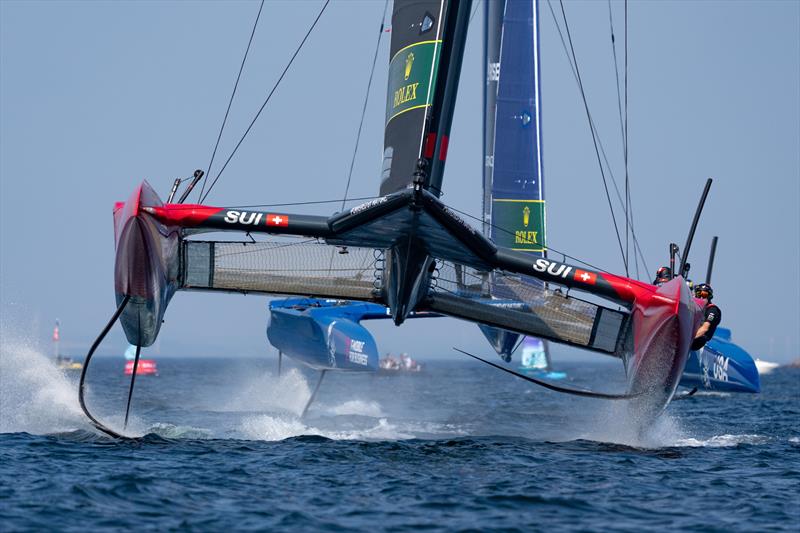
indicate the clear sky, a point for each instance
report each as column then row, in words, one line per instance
column 96, row 96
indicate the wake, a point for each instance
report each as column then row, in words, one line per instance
column 35, row 396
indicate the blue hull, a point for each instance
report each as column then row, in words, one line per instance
column 721, row 366
column 325, row 334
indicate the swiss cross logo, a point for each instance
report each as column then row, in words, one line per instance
column 585, row 277
column 277, row 220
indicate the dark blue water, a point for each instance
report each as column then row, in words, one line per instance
column 459, row 447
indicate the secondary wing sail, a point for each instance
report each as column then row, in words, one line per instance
column 513, row 181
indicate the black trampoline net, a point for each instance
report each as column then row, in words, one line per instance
column 282, row 267
column 525, row 305
column 312, row 268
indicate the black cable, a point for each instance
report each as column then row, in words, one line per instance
column 627, row 181
column 475, row 10
column 366, row 100
column 622, row 127
column 233, row 93
column 599, row 141
column 272, row 91
column 176, row 207
column 594, row 138
column 616, row 73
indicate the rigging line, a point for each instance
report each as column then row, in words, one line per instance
column 599, row 140
column 366, row 100
column 363, row 114
column 627, row 181
column 178, row 207
column 621, row 125
column 474, row 10
column 616, row 72
column 619, row 198
column 549, row 248
column 594, row 137
column 311, row 203
column 230, row 102
column 266, row 101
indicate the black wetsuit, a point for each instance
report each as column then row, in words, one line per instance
column 713, row 315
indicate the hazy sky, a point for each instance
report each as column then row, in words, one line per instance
column 96, row 96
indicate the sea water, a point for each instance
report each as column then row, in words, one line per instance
column 460, row 446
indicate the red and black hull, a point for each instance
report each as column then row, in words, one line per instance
column 146, row 265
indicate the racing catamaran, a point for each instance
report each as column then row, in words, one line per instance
column 423, row 257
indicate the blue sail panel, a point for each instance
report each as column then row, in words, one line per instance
column 513, row 190
column 513, row 177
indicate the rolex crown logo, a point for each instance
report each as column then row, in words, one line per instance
column 409, row 63
column 526, row 215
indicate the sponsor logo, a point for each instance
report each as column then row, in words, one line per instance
column 526, row 237
column 721, row 368
column 552, row 268
column 412, row 76
column 405, row 94
column 372, row 203
column 243, row 217
column 523, row 220
column 509, row 305
column 277, row 220
column 409, row 64
column 585, row 277
column 355, row 352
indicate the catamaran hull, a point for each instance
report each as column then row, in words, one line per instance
column 664, row 325
column 721, row 366
column 145, row 267
column 323, row 342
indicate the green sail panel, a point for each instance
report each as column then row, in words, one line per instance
column 412, row 78
column 522, row 222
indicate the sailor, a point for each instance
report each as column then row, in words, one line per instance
column 663, row 275
column 712, row 318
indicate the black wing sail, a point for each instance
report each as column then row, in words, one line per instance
column 416, row 47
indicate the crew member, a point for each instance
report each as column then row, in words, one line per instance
column 712, row 318
column 663, row 275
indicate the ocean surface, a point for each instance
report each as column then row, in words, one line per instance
column 460, row 446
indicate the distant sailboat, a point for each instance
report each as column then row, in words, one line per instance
column 765, row 367
column 145, row 366
column 63, row 362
